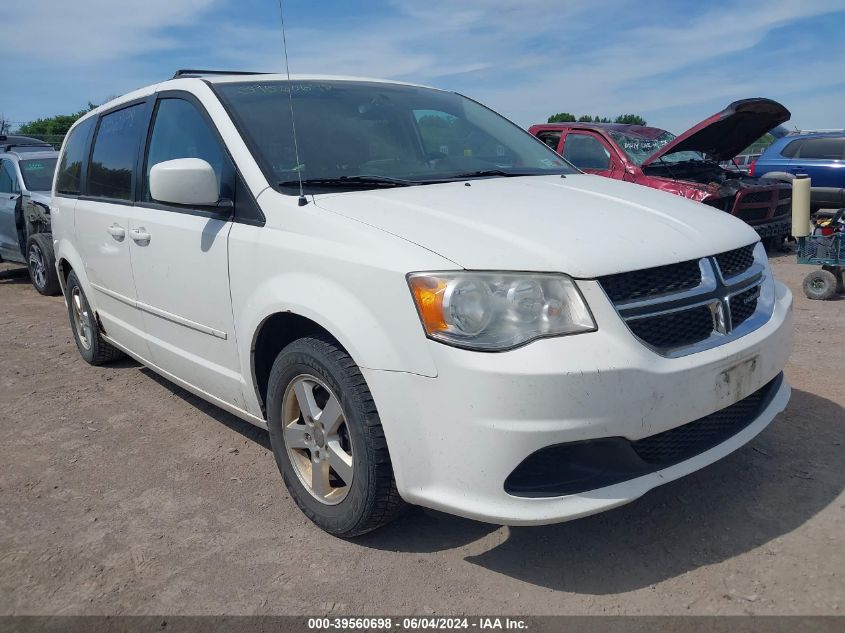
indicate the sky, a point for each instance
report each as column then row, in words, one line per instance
column 672, row 61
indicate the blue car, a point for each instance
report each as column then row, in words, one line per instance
column 819, row 155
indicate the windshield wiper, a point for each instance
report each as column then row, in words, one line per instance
column 492, row 172
column 345, row 181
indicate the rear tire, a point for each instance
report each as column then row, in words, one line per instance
column 91, row 345
column 328, row 440
column 820, row 285
column 41, row 263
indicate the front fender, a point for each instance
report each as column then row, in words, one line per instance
column 378, row 332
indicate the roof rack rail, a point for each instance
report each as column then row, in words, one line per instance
column 191, row 72
column 819, row 131
column 7, row 146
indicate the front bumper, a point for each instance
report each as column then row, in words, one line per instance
column 777, row 228
column 455, row 439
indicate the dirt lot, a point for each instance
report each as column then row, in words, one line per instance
column 120, row 493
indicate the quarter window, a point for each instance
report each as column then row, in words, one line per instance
column 115, row 152
column 180, row 131
column 70, row 167
column 550, row 138
column 792, row 148
column 586, row 152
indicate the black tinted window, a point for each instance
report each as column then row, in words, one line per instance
column 792, row 148
column 550, row 138
column 822, row 149
column 180, row 131
column 8, row 180
column 586, row 152
column 70, row 167
column 115, row 151
column 38, row 174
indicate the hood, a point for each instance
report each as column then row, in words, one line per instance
column 582, row 225
column 725, row 134
column 42, row 197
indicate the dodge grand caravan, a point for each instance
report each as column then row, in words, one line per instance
column 409, row 292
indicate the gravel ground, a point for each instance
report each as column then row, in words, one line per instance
column 123, row 494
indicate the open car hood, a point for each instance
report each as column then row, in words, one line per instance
column 725, row 134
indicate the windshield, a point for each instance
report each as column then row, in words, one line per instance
column 38, row 173
column 378, row 135
column 638, row 147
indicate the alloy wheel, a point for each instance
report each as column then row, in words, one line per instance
column 37, row 266
column 81, row 318
column 317, row 439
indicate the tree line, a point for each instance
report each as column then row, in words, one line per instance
column 567, row 117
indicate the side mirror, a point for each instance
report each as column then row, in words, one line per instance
column 188, row 181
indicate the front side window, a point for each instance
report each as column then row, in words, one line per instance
column 586, row 152
column 70, row 166
column 405, row 134
column 38, row 173
column 180, row 131
column 115, row 151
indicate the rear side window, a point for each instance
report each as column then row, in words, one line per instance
column 70, row 167
column 8, row 178
column 823, row 149
column 816, row 148
column 180, row 131
column 115, row 151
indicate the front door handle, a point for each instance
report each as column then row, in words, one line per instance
column 117, row 232
column 140, row 236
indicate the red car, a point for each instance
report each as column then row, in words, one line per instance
column 686, row 165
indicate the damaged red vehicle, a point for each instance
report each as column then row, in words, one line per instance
column 686, row 165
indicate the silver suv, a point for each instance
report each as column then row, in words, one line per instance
column 26, row 179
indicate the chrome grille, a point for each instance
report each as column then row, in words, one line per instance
column 676, row 310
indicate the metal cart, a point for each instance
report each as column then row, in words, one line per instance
column 825, row 251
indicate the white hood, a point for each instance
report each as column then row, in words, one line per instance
column 582, row 225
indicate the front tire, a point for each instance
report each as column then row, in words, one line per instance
column 328, row 440
column 91, row 345
column 41, row 263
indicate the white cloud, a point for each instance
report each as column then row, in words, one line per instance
column 526, row 58
column 529, row 58
column 70, row 33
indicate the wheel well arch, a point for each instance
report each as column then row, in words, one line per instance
column 275, row 333
column 64, row 270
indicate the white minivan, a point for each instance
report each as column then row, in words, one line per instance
column 419, row 300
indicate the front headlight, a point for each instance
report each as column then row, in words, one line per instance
column 491, row 311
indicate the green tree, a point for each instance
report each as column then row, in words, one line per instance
column 630, row 119
column 58, row 124
column 561, row 117
column 585, row 118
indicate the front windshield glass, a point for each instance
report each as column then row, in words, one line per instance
column 639, row 147
column 391, row 134
column 38, row 173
